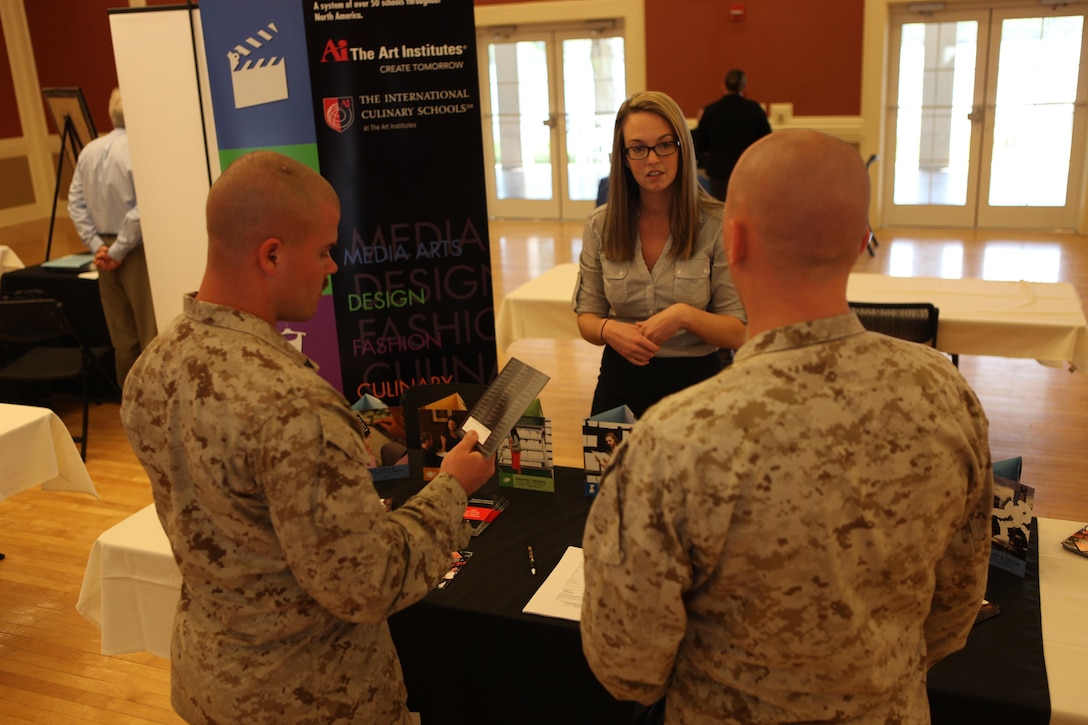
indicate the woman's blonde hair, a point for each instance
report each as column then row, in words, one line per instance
column 689, row 199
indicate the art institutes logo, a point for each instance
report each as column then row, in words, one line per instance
column 339, row 113
column 336, row 51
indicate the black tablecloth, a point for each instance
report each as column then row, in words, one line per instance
column 470, row 655
column 1000, row 676
column 468, row 652
column 78, row 295
column 82, row 306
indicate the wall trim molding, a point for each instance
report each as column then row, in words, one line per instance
column 846, row 128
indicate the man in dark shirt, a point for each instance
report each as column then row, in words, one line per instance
column 726, row 128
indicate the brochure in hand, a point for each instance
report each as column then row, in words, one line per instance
column 502, row 404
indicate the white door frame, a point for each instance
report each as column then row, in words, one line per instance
column 515, row 16
column 874, row 93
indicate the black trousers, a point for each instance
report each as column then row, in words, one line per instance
column 621, row 383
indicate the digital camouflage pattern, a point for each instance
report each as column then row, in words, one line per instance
column 290, row 565
column 796, row 539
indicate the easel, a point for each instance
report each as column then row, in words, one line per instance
column 68, row 134
column 71, row 117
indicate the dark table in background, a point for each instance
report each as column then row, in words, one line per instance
column 470, row 655
column 78, row 295
column 81, row 302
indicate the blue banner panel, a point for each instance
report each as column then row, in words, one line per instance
column 259, row 79
column 397, row 119
column 258, row 73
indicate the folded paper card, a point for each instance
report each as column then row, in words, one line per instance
column 525, row 458
column 1077, row 542
column 601, row 435
column 383, row 437
column 1011, row 525
column 440, row 430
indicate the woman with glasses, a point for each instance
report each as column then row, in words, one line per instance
column 653, row 284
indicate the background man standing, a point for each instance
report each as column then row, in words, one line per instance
column 102, row 205
column 726, row 128
column 799, row 538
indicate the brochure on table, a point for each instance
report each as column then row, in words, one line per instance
column 601, row 434
column 1011, row 524
column 383, row 437
column 525, row 457
column 437, row 433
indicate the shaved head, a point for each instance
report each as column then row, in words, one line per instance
column 796, row 219
column 805, row 196
column 260, row 195
column 273, row 223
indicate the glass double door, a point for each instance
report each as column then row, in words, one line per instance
column 986, row 124
column 549, row 105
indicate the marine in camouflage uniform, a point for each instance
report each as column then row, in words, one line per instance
column 796, row 539
column 289, row 563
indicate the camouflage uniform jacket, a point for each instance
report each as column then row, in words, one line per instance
column 289, row 564
column 795, row 539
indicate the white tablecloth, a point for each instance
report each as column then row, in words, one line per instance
column 131, row 586
column 1063, row 595
column 36, row 448
column 9, row 260
column 1042, row 321
column 540, row 308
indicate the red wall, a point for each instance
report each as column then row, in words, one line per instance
column 798, row 51
column 72, row 47
column 794, row 51
column 803, row 52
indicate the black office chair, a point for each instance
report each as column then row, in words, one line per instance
column 40, row 346
column 913, row 321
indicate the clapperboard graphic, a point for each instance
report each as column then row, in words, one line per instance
column 256, row 75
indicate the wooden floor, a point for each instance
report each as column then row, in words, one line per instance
column 50, row 668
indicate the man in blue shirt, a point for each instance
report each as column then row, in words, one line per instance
column 102, row 205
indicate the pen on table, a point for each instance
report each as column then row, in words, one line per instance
column 532, row 562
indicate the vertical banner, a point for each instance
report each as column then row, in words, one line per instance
column 399, row 136
column 259, row 80
column 382, row 97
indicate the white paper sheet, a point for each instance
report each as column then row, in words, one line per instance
column 561, row 593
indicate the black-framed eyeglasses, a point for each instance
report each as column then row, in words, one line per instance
column 665, row 148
